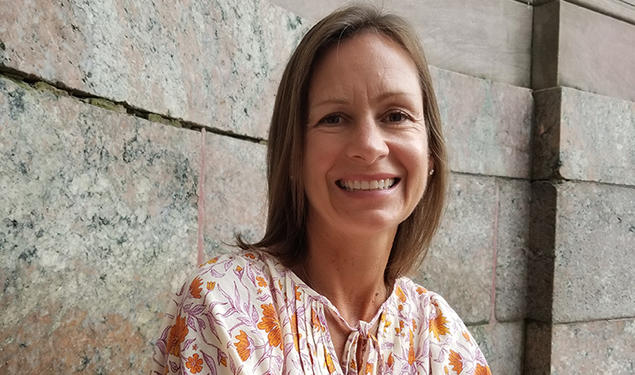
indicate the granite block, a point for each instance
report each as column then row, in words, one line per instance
column 459, row 263
column 97, row 222
column 583, row 136
column 582, row 58
column 599, row 347
column 487, row 125
column 546, row 134
column 597, row 138
column 512, row 249
column 502, row 346
column 537, row 348
column 621, row 9
column 540, row 259
column 214, row 63
column 488, row 38
column 593, row 265
column 235, row 192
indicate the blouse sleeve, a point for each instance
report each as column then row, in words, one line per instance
column 192, row 341
column 215, row 324
column 452, row 348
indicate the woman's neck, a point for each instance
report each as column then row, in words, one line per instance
column 349, row 270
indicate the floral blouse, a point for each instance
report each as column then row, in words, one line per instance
column 248, row 314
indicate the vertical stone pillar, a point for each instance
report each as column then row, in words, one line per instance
column 581, row 308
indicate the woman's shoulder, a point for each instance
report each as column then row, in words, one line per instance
column 238, row 270
column 428, row 304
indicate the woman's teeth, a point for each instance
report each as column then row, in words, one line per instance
column 352, row 185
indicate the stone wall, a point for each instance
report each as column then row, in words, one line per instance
column 106, row 172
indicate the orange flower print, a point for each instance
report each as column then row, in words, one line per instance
column 329, row 364
column 297, row 293
column 211, row 285
column 195, row 287
column 194, row 363
column 222, row 358
column 466, row 336
column 250, row 255
column 482, row 370
column 437, row 325
column 261, row 281
column 421, row 290
column 411, row 350
column 400, row 328
column 239, row 268
column 213, row 260
column 445, row 370
column 400, row 294
column 294, row 332
column 271, row 325
column 369, row 368
column 456, row 361
column 176, row 336
column 315, row 321
column 242, row 346
column 391, row 360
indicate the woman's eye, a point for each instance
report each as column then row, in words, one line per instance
column 331, row 120
column 396, row 117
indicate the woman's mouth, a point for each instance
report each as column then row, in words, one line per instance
column 367, row 185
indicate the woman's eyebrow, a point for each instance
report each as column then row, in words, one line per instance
column 329, row 101
column 391, row 94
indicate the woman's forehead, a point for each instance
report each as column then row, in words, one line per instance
column 368, row 64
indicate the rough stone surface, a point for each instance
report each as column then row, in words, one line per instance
column 593, row 266
column 512, row 249
column 235, row 191
column 583, row 136
column 621, row 9
column 582, row 58
column 597, row 137
column 459, row 264
column 502, row 346
column 490, row 134
column 214, row 63
column 600, row 347
column 490, row 38
column 540, row 260
column 546, row 134
column 97, row 219
column 537, row 355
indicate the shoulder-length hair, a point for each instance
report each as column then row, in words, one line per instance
column 285, row 235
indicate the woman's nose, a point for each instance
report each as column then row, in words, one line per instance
column 367, row 142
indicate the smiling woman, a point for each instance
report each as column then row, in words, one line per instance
column 357, row 177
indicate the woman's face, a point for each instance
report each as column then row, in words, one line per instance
column 366, row 161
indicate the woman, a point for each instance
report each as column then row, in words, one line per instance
column 357, row 176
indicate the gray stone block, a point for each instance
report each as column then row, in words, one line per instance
column 490, row 38
column 583, row 136
column 540, row 260
column 460, row 262
column 490, row 134
column 213, row 64
column 537, row 349
column 512, row 249
column 235, row 190
column 620, row 9
column 502, row 346
column 593, row 265
column 582, row 58
column 97, row 226
column 603, row 347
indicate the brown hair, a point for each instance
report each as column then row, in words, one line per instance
column 285, row 235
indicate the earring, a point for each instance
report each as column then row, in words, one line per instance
column 431, row 172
